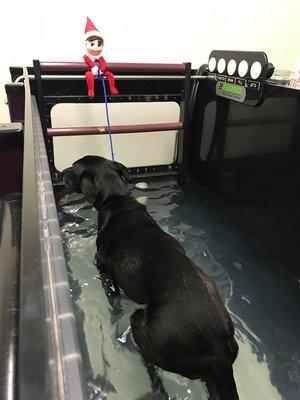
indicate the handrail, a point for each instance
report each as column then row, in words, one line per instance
column 81, row 77
column 115, row 129
column 114, row 67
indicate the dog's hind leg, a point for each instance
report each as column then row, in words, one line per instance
column 156, row 381
column 111, row 289
column 147, row 351
column 222, row 374
column 109, row 284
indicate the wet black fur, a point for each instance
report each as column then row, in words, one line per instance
column 184, row 327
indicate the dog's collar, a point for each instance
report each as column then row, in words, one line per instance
column 106, row 203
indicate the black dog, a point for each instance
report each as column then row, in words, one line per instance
column 185, row 328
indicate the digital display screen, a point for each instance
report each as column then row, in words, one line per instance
column 231, row 88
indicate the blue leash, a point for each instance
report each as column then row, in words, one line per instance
column 101, row 78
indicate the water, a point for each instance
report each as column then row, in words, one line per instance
column 262, row 300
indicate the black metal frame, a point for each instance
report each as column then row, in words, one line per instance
column 48, row 95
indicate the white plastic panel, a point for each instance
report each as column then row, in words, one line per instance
column 139, row 149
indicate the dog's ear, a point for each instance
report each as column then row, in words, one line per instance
column 121, row 170
column 89, row 185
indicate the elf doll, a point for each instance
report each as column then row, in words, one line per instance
column 94, row 45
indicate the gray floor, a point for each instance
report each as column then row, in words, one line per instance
column 262, row 299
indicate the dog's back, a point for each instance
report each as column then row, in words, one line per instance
column 185, row 327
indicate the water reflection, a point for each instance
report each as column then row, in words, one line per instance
column 263, row 303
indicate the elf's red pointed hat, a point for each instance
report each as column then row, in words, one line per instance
column 90, row 29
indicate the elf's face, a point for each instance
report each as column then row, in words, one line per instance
column 93, row 48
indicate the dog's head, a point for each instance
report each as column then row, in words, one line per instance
column 97, row 178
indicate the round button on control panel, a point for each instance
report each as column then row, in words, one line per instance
column 212, row 64
column 231, row 67
column 255, row 70
column 221, row 65
column 243, row 68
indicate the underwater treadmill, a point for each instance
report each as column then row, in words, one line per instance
column 231, row 196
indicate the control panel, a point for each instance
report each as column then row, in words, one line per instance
column 239, row 75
